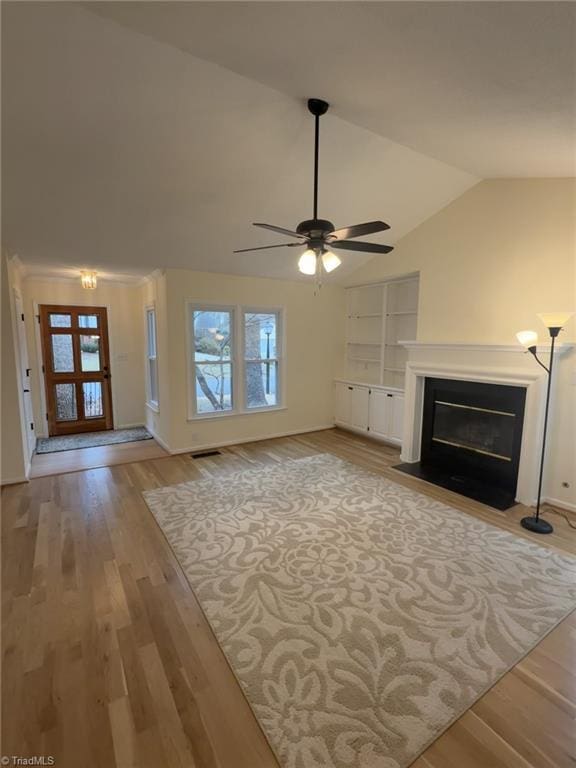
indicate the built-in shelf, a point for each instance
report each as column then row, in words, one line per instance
column 408, row 312
column 364, row 360
column 379, row 316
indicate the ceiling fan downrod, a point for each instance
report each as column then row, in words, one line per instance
column 317, row 107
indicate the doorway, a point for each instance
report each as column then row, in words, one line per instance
column 76, row 357
column 25, row 375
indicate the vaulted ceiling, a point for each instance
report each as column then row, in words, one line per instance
column 150, row 135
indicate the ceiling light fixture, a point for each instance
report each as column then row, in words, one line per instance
column 316, row 234
column 88, row 279
column 307, row 262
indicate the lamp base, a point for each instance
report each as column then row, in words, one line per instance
column 536, row 526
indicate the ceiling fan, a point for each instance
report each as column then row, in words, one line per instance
column 319, row 235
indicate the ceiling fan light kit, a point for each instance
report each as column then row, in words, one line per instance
column 319, row 236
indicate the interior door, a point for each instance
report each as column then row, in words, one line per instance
column 25, row 374
column 76, row 368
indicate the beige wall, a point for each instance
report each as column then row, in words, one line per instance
column 314, row 341
column 488, row 263
column 126, row 332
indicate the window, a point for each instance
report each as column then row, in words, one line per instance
column 212, row 362
column 151, row 355
column 261, row 359
column 235, row 360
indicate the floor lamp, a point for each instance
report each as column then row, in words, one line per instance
column 554, row 321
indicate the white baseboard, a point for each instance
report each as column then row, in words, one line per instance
column 240, row 441
column 562, row 504
column 130, row 426
column 14, row 481
column 159, row 440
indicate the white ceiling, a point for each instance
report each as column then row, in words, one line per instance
column 489, row 87
column 123, row 153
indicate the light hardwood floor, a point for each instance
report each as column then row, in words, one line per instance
column 61, row 462
column 108, row 660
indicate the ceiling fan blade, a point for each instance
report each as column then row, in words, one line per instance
column 357, row 230
column 265, row 247
column 278, row 229
column 348, row 245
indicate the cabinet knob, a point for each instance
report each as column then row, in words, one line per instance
column 351, row 388
column 389, row 395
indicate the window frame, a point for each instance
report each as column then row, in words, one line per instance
column 237, row 358
column 150, row 310
column 278, row 359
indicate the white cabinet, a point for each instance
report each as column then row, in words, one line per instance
column 396, row 418
column 374, row 410
column 360, row 408
column 343, row 403
column 379, row 413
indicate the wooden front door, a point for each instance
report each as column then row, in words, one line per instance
column 76, row 368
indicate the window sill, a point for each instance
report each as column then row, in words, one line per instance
column 230, row 414
column 153, row 407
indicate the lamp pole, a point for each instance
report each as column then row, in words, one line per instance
column 554, row 321
column 534, row 523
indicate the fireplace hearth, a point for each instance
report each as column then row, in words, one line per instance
column 471, row 439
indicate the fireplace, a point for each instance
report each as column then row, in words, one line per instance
column 471, row 439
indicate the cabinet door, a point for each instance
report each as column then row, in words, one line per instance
column 379, row 413
column 343, row 403
column 359, row 410
column 396, row 417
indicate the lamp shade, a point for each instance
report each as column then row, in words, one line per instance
column 555, row 319
column 527, row 338
column 307, row 262
column 330, row 261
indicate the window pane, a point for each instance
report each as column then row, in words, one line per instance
column 90, row 353
column 92, row 391
column 88, row 321
column 62, row 354
column 260, row 335
column 65, row 402
column 213, row 387
column 151, row 318
column 60, row 321
column 212, row 335
column 153, row 380
column 261, row 384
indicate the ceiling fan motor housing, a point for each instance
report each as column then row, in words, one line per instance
column 315, row 228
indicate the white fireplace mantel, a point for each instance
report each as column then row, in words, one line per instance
column 493, row 364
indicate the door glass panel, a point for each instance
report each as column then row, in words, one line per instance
column 62, row 353
column 60, row 321
column 90, row 353
column 92, row 391
column 66, row 409
column 88, row 321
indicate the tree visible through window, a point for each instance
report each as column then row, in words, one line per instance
column 261, row 359
column 220, row 362
column 213, row 360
